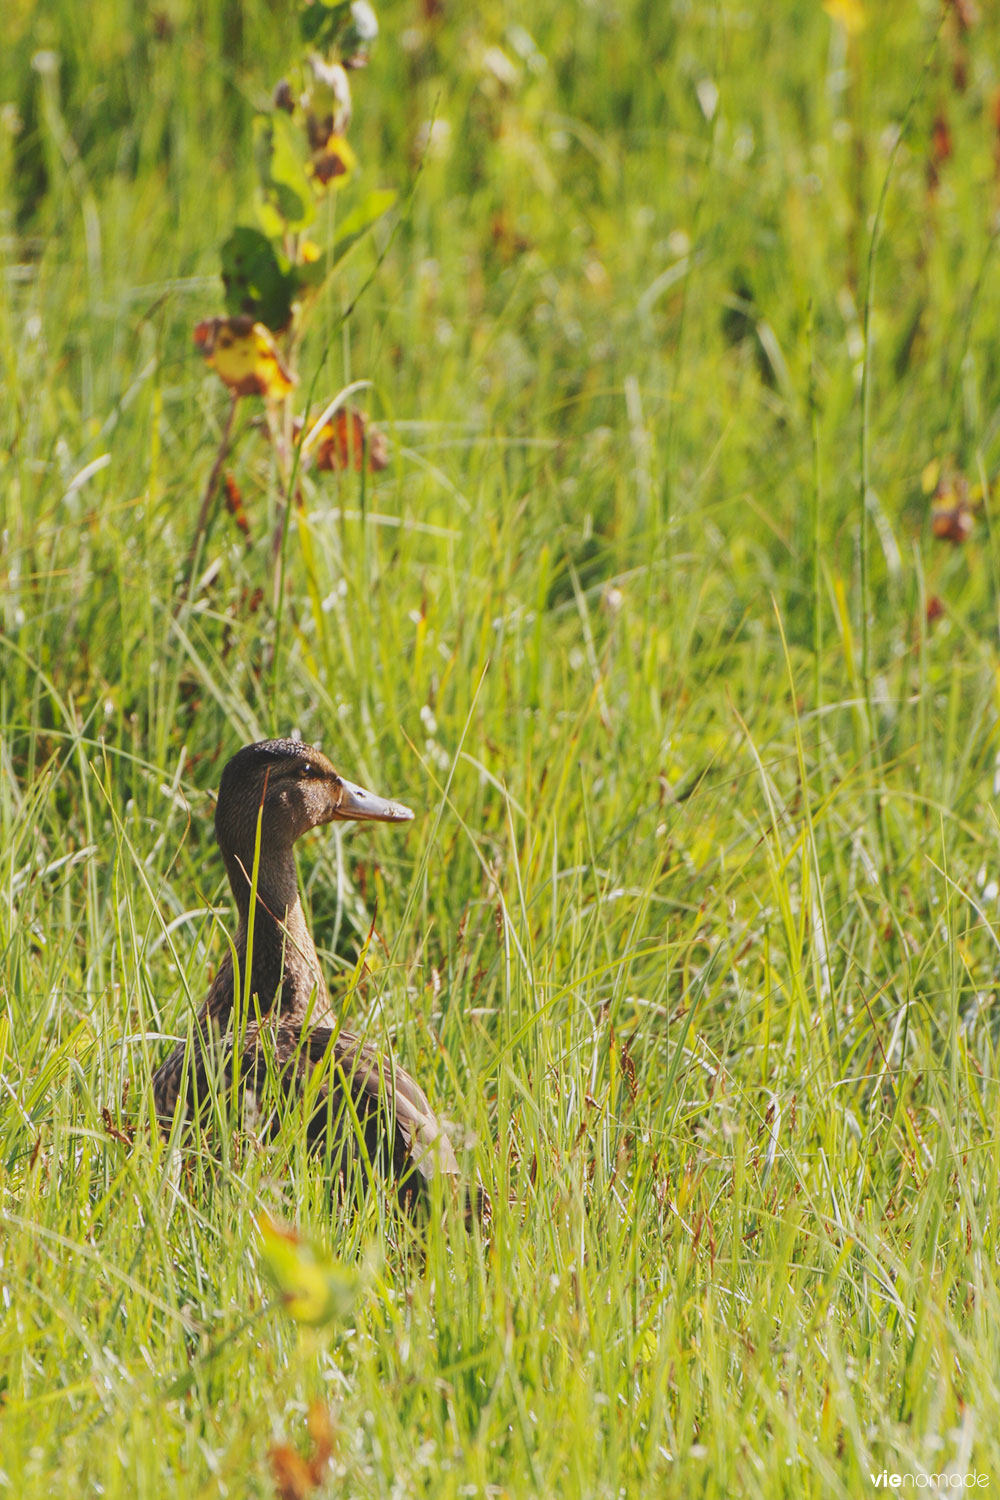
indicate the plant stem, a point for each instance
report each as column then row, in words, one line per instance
column 212, row 483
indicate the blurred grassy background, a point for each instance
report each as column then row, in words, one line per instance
column 696, row 941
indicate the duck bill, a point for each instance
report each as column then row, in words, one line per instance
column 364, row 807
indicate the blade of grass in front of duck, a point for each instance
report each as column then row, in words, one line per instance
column 242, row 1018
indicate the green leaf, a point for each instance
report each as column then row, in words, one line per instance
column 314, row 1287
column 364, row 215
column 257, row 282
column 322, row 22
column 351, row 231
column 285, row 198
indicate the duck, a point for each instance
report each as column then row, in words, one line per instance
column 361, row 1103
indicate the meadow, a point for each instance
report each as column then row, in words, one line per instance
column 675, row 615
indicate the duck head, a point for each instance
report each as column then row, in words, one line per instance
column 292, row 787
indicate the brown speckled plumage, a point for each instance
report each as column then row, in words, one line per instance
column 292, row 788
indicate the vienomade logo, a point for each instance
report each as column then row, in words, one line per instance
column 932, row 1482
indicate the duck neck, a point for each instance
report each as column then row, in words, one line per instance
column 285, row 974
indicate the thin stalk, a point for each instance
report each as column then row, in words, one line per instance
column 242, row 1017
column 817, row 621
column 297, row 450
column 211, row 485
column 864, row 444
column 864, row 436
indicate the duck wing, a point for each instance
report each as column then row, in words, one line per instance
column 388, row 1104
column 385, row 1098
column 361, row 1103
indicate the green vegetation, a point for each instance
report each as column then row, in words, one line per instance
column 696, row 939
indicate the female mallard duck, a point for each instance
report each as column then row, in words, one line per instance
column 361, row 1096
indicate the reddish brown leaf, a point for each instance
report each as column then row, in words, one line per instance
column 323, row 1437
column 295, row 1476
column 941, row 147
column 953, row 505
column 628, row 1071
column 123, row 1137
column 953, row 525
column 334, row 161
column 234, row 505
column 348, row 439
column 292, row 1479
column 951, row 514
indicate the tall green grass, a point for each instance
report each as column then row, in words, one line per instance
column 695, row 938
